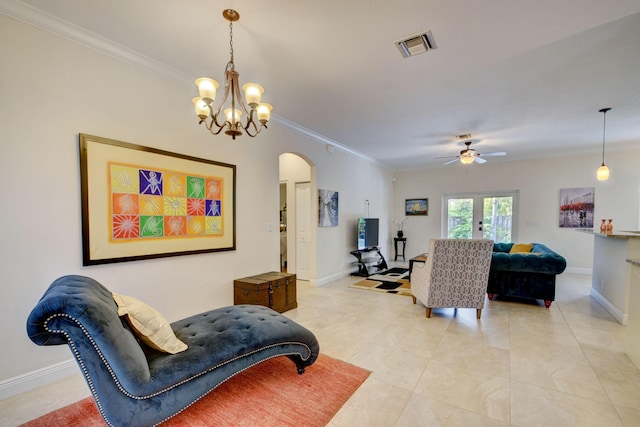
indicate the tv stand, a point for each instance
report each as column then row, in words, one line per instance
column 364, row 260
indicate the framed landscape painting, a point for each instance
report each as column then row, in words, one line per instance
column 414, row 207
column 141, row 203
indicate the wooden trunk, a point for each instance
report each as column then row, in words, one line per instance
column 274, row 290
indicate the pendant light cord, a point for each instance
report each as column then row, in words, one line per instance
column 604, row 130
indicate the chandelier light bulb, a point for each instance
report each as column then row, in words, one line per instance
column 253, row 93
column 264, row 112
column 207, row 89
column 229, row 114
column 202, row 110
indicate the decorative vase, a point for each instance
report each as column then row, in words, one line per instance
column 603, row 226
column 400, row 234
column 610, row 227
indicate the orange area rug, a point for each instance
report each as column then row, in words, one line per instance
column 268, row 394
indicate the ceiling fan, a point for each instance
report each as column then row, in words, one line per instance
column 470, row 155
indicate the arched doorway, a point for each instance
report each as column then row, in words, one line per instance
column 297, row 209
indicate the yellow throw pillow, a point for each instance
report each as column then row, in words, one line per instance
column 149, row 324
column 521, row 247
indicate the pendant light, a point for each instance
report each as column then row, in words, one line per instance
column 603, row 171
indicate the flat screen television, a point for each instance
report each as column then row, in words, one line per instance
column 367, row 233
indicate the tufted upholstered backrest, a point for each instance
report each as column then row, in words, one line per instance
column 79, row 311
column 456, row 273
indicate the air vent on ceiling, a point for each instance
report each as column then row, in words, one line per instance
column 414, row 45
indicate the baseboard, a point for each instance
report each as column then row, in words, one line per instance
column 32, row 380
column 328, row 279
column 578, row 270
column 612, row 309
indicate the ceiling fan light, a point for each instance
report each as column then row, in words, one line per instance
column 603, row 173
column 467, row 160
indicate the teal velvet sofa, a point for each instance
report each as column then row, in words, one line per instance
column 135, row 385
column 525, row 274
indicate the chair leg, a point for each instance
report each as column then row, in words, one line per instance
column 428, row 312
column 547, row 303
column 414, row 299
column 478, row 312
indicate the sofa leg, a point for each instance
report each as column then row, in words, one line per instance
column 414, row 299
column 547, row 303
column 478, row 312
column 428, row 312
column 490, row 297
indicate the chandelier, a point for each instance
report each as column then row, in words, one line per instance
column 232, row 125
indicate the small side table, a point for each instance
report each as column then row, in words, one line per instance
column 395, row 246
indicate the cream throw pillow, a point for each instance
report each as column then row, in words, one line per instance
column 149, row 324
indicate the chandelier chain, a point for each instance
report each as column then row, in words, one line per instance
column 231, row 40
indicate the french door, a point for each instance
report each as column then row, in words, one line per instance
column 481, row 216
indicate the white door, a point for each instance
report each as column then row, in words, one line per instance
column 303, row 229
column 481, row 216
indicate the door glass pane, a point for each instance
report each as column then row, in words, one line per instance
column 497, row 219
column 459, row 218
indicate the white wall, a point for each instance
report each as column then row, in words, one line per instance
column 539, row 182
column 52, row 89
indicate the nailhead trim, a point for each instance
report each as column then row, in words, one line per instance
column 87, row 376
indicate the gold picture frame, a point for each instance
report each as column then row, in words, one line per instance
column 142, row 203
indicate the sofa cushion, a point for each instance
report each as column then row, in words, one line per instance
column 150, row 326
column 541, row 259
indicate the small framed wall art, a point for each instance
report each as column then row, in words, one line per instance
column 576, row 207
column 416, row 207
column 327, row 208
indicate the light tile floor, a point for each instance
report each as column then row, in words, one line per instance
column 520, row 365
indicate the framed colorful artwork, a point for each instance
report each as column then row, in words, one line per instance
column 576, row 207
column 141, row 203
column 415, row 207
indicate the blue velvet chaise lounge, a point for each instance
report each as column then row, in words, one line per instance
column 135, row 385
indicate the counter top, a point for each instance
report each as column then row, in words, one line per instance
column 623, row 234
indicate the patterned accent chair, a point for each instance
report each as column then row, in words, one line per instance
column 455, row 274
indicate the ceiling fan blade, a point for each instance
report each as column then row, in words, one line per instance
column 447, row 157
column 480, row 160
column 450, row 161
column 494, row 154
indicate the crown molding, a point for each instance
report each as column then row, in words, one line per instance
column 319, row 138
column 44, row 21
column 52, row 24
